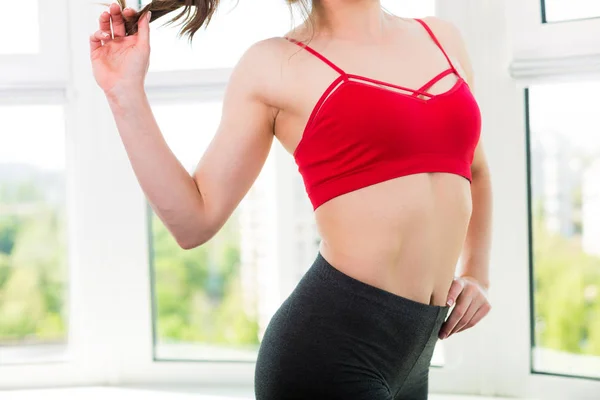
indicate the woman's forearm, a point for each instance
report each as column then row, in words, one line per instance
column 169, row 188
column 476, row 251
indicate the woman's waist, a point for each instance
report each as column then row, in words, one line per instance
column 393, row 236
column 422, row 274
column 325, row 283
column 397, row 205
column 417, row 261
column 405, row 236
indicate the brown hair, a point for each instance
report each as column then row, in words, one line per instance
column 195, row 14
column 305, row 7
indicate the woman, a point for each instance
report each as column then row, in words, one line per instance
column 397, row 177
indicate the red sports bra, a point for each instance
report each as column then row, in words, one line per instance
column 362, row 132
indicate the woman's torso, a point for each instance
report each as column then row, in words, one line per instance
column 405, row 234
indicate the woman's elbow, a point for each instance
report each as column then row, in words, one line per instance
column 195, row 238
column 187, row 244
column 198, row 229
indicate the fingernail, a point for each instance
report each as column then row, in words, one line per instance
column 149, row 15
column 450, row 302
column 442, row 335
column 104, row 34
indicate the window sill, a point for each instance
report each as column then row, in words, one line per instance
column 97, row 393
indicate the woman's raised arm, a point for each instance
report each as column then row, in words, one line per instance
column 193, row 208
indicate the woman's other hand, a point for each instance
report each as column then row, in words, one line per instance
column 120, row 62
column 471, row 302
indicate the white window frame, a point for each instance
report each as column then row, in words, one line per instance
column 47, row 69
column 551, row 51
column 23, row 81
column 535, row 52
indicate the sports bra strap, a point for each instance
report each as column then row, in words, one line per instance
column 317, row 54
column 437, row 42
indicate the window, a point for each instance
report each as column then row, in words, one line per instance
column 223, row 43
column 210, row 301
column 564, row 151
column 33, row 255
column 563, row 10
column 27, row 41
column 30, row 59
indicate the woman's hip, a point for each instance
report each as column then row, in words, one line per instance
column 337, row 333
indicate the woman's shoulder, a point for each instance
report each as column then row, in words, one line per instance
column 451, row 39
column 263, row 69
column 267, row 49
column 446, row 32
column 269, row 58
column 267, row 53
column 262, row 58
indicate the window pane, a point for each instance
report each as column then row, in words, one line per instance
column 26, row 25
column 236, row 27
column 562, row 10
column 33, row 256
column 565, row 223
column 209, row 302
column 232, row 30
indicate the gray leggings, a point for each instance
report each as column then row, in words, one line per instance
column 336, row 337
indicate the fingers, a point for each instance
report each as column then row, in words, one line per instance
column 479, row 314
column 473, row 308
column 95, row 43
column 103, row 36
column 118, row 23
column 105, row 21
column 98, row 38
column 118, row 19
column 144, row 29
column 463, row 302
column 129, row 13
column 455, row 289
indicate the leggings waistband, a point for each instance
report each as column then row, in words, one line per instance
column 390, row 301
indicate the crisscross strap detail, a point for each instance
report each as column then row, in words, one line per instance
column 418, row 92
column 317, row 54
column 435, row 79
column 437, row 42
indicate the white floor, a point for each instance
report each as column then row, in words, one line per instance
column 101, row 393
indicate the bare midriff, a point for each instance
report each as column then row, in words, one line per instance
column 404, row 235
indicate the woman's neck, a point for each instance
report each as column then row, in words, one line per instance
column 356, row 20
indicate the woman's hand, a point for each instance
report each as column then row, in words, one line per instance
column 471, row 302
column 120, row 62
